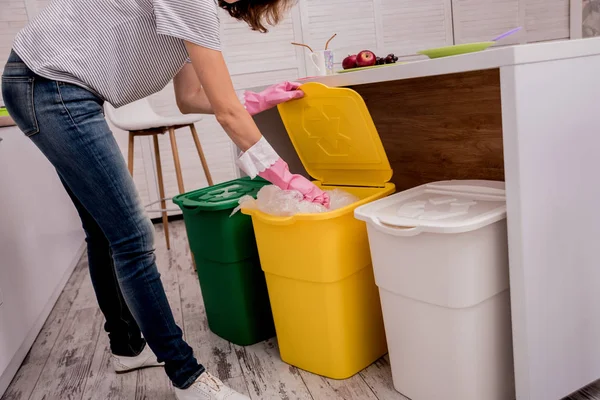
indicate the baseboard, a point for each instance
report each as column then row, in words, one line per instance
column 171, row 218
column 14, row 365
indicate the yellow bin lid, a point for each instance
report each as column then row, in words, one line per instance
column 335, row 137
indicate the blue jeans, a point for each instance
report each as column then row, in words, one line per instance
column 67, row 124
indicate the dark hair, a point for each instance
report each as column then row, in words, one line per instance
column 258, row 12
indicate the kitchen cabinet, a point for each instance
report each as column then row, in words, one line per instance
column 41, row 241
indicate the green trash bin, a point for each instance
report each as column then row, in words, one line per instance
column 224, row 248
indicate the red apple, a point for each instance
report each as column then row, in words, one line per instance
column 349, row 62
column 365, row 58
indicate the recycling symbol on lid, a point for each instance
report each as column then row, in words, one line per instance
column 437, row 208
column 323, row 123
column 225, row 193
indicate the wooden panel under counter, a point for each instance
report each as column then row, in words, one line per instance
column 440, row 127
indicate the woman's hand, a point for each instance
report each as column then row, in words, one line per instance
column 279, row 175
column 270, row 97
column 263, row 161
column 191, row 98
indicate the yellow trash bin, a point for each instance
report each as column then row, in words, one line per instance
column 318, row 266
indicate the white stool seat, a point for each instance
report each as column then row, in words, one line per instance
column 140, row 120
column 139, row 116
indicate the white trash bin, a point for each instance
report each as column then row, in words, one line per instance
column 440, row 258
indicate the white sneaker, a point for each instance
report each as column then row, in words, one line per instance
column 207, row 387
column 145, row 359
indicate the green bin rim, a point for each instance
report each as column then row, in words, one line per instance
column 190, row 201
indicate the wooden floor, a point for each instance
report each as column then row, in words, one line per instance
column 70, row 358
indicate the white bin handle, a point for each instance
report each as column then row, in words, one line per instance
column 397, row 231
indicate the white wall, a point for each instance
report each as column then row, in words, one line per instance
column 40, row 242
column 591, row 18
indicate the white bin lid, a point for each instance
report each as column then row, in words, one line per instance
column 442, row 207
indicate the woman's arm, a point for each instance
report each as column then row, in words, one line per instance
column 215, row 82
column 189, row 94
column 258, row 157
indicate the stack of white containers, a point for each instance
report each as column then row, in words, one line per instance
column 440, row 258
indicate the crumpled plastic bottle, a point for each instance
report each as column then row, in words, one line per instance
column 274, row 201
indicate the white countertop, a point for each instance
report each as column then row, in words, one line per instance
column 488, row 59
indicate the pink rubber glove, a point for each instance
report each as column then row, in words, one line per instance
column 280, row 93
column 280, row 175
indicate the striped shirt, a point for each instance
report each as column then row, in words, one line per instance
column 120, row 50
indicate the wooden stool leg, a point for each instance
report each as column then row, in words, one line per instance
column 161, row 190
column 201, row 154
column 130, row 155
column 176, row 159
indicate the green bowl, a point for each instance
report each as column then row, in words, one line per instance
column 3, row 112
column 456, row 49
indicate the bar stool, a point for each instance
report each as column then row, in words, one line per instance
column 139, row 119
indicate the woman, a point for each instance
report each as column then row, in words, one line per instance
column 79, row 53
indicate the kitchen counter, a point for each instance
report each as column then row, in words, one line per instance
column 527, row 115
column 492, row 58
column 41, row 240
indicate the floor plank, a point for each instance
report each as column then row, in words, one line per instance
column 354, row 388
column 86, row 297
column 78, row 276
column 379, row 378
column 69, row 363
column 153, row 384
column 102, row 383
column 268, row 377
column 592, row 392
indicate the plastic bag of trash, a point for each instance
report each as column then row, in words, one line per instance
column 284, row 203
